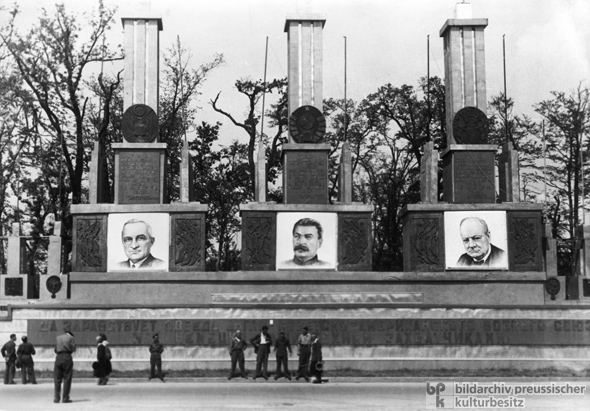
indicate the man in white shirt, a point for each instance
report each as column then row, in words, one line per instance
column 262, row 343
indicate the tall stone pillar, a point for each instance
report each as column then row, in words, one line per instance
column 464, row 53
column 305, row 157
column 468, row 161
column 508, row 173
column 140, row 160
column 305, row 59
column 141, row 74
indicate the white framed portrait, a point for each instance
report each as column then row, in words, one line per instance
column 476, row 240
column 138, row 241
column 307, row 241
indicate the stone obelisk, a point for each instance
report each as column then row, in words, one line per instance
column 468, row 161
column 305, row 157
column 141, row 158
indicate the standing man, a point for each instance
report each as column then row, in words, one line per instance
column 315, row 359
column 9, row 353
column 237, row 346
column 156, row 350
column 64, row 364
column 26, row 352
column 262, row 343
column 303, row 351
column 282, row 345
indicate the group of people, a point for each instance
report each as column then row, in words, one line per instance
column 19, row 357
column 309, row 350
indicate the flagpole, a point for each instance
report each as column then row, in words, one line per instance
column 345, row 101
column 263, row 94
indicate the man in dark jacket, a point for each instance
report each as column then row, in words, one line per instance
column 25, row 352
column 315, row 359
column 237, row 346
column 283, row 351
column 262, row 343
column 156, row 350
column 9, row 353
column 63, row 369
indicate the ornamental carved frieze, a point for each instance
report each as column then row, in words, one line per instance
column 426, row 241
column 188, row 247
column 259, row 242
column 354, row 246
column 90, row 243
column 525, row 234
column 525, row 244
column 13, row 287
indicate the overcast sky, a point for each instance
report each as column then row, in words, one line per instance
column 547, row 42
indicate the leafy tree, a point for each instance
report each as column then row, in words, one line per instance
column 359, row 134
column 254, row 90
column 13, row 137
column 567, row 125
column 388, row 131
column 106, row 119
column 221, row 181
column 180, row 89
column 522, row 132
column 51, row 61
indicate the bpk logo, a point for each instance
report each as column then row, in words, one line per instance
column 439, row 395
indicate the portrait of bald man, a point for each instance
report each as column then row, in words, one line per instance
column 479, row 250
column 137, row 239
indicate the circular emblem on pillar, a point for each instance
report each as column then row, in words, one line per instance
column 470, row 126
column 552, row 286
column 307, row 125
column 140, row 124
column 53, row 285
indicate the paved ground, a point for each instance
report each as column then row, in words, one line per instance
column 218, row 394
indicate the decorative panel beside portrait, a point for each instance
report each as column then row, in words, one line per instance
column 188, row 242
column 525, row 236
column 89, row 252
column 307, row 241
column 258, row 241
column 476, row 240
column 138, row 241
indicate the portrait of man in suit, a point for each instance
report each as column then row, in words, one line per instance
column 137, row 239
column 479, row 251
column 476, row 240
column 306, row 241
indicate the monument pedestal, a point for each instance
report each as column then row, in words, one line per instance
column 182, row 223
column 16, row 284
column 469, row 173
column 305, row 175
column 139, row 173
column 425, row 247
column 261, row 235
